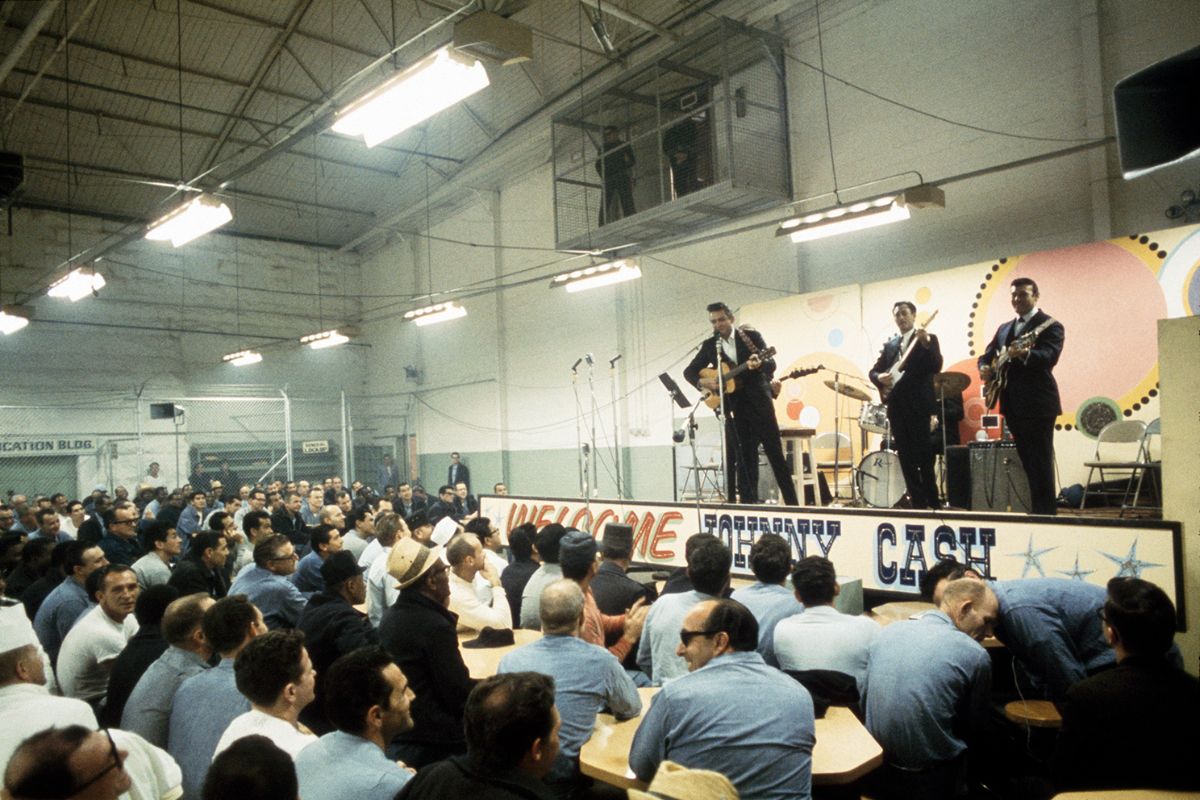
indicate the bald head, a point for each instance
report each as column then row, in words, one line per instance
column 561, row 607
column 972, row 606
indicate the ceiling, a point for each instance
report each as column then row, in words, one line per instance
column 235, row 97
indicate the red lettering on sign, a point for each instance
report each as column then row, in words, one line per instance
column 644, row 532
column 562, row 514
column 603, row 519
column 578, row 519
column 542, row 518
column 663, row 535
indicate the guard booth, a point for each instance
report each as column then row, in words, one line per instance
column 696, row 137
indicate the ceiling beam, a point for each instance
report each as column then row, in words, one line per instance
column 27, row 36
column 62, row 44
column 273, row 25
column 298, row 12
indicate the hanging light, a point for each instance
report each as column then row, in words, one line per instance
column 194, row 218
column 77, row 284
column 431, row 315
column 434, row 83
column 862, row 214
column 13, row 319
column 242, row 358
column 597, row 275
column 319, row 341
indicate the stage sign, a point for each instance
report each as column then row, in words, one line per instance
column 888, row 549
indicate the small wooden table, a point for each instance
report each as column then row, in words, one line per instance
column 844, row 752
column 1034, row 713
column 482, row 662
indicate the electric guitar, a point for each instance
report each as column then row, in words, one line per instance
column 895, row 371
column 728, row 374
column 999, row 365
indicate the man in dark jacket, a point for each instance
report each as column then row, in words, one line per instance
column 332, row 627
column 418, row 632
column 524, row 563
column 201, row 571
column 512, row 741
column 615, row 591
column 287, row 520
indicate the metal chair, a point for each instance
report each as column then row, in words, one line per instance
column 1116, row 438
column 1147, row 463
column 828, row 447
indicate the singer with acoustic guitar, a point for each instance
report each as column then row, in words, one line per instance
column 750, row 412
column 1017, row 367
column 904, row 374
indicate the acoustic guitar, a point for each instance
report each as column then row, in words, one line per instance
column 728, row 374
column 992, row 388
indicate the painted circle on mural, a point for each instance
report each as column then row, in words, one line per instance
column 810, row 418
column 806, row 402
column 1094, row 413
column 1180, row 277
column 835, row 337
column 922, row 296
column 973, row 406
column 820, row 305
column 1109, row 301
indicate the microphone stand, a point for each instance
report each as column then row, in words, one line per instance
column 592, row 450
column 837, row 435
column 612, row 368
column 721, row 414
column 583, row 488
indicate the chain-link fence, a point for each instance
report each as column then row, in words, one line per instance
column 74, row 446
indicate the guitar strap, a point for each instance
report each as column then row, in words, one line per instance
column 746, row 340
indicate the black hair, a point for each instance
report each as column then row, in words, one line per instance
column 1142, row 615
column 520, row 541
column 155, row 531
column 152, row 604
column 321, row 536
column 204, row 540
column 46, row 757
column 252, row 768
column 736, row 621
column 252, row 520
column 1030, row 282
column 904, row 304
column 713, row 308
column 947, row 569
column 708, row 566
column 815, row 581
column 225, row 622
column 216, row 522
column 770, row 558
column 355, row 683
column 95, row 579
column 268, row 664
column 42, row 513
column 548, row 540
column 505, row 714
column 35, row 549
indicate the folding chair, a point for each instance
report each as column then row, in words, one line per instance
column 1123, row 437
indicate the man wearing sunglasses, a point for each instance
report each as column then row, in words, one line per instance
column 703, row 719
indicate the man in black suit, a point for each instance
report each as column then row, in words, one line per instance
column 406, row 502
column 613, row 590
column 1029, row 400
column 910, row 400
column 458, row 472
column 444, row 506
column 751, row 407
column 465, row 503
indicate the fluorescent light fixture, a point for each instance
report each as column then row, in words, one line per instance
column 434, row 83
column 319, row 341
column 861, row 214
column 12, row 319
column 597, row 275
column 78, row 284
column 431, row 315
column 242, row 358
column 194, row 218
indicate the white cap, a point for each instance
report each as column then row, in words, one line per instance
column 15, row 629
column 444, row 531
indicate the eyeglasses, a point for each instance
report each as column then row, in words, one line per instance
column 687, row 636
column 289, row 557
column 118, row 763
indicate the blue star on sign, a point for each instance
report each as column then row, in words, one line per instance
column 1129, row 565
column 1076, row 574
column 1032, row 558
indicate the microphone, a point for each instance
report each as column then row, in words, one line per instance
column 575, row 366
column 588, row 357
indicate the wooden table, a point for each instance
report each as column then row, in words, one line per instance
column 844, row 752
column 482, row 662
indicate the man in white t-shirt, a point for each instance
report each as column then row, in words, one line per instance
column 88, row 652
column 381, row 587
column 276, row 675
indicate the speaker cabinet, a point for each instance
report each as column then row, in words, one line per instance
column 998, row 481
column 1157, row 116
column 162, row 411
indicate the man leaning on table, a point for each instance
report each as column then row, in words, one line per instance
column 713, row 717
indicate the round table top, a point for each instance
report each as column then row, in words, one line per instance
column 483, row 662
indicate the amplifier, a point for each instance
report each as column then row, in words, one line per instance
column 998, row 481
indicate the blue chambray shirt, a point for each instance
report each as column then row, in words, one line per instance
column 769, row 603
column 58, row 613
column 204, row 706
column 660, row 635
column 275, row 596
column 147, row 712
column 738, row 716
column 340, row 765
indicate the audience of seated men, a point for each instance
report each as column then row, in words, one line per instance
column 332, row 627
column 587, row 679
column 419, row 633
column 768, row 598
column 207, row 702
column 577, row 558
column 142, row 650
column 381, row 587
column 1050, row 625
column 708, row 562
column 266, row 584
column 713, row 717
column 367, row 698
column 147, row 712
column 324, row 541
column 69, row 600
column 822, row 638
column 927, row 692
column 1123, row 727
column 163, row 547
column 476, row 595
column 95, row 641
column 524, row 563
column 252, row 768
column 547, row 542
column 274, row 673
column 511, row 727
column 26, row 705
column 202, row 570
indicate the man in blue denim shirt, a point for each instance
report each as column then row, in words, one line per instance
column 713, row 716
column 768, row 599
column 587, row 678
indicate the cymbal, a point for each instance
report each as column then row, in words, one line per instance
column 950, row 382
column 850, row 391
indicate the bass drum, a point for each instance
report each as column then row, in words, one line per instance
column 880, row 480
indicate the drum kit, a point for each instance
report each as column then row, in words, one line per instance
column 878, row 480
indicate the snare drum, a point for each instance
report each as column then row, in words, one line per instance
column 873, row 418
column 880, row 479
